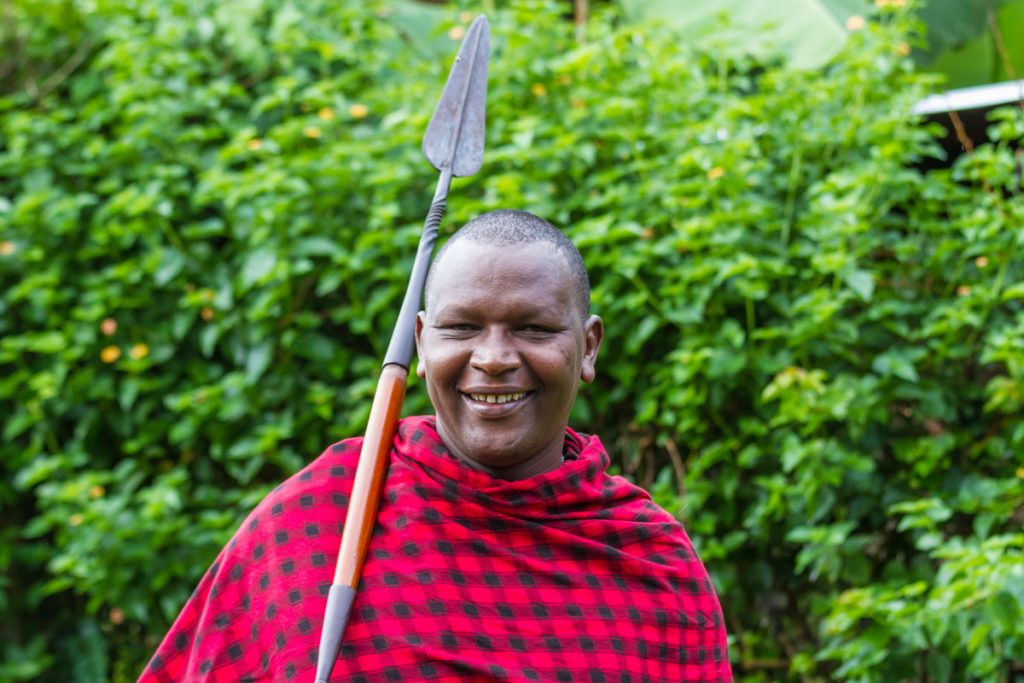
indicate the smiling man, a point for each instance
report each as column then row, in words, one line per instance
column 503, row 550
column 504, row 341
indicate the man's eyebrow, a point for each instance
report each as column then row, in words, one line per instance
column 542, row 313
column 451, row 310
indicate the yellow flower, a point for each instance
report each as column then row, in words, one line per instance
column 539, row 89
column 716, row 173
column 1020, row 472
column 7, row 248
column 456, row 32
column 466, row 17
column 311, row 132
column 206, row 313
column 902, row 49
column 326, row 114
column 76, row 519
column 358, row 111
column 97, row 491
column 565, row 79
column 108, row 326
column 963, row 290
column 109, row 354
column 255, row 144
column 855, row 23
column 981, row 261
column 139, row 351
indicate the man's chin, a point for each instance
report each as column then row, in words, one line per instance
column 498, row 447
column 491, row 459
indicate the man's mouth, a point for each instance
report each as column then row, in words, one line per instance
column 498, row 398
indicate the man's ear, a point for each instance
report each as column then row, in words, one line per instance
column 593, row 334
column 421, row 369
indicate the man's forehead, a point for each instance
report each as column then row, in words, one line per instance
column 468, row 247
column 496, row 267
column 511, row 307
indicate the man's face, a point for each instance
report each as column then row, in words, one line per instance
column 503, row 347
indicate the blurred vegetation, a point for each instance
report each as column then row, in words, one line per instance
column 970, row 42
column 975, row 42
column 815, row 351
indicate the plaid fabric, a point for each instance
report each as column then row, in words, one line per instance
column 571, row 575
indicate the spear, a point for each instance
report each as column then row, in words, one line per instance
column 454, row 145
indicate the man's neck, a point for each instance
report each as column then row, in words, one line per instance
column 549, row 459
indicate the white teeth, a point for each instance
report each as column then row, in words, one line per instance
column 497, row 398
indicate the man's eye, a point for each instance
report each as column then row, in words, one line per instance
column 457, row 329
column 536, row 329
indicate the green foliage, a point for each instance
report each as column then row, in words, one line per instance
column 970, row 42
column 814, row 350
column 809, row 32
column 987, row 47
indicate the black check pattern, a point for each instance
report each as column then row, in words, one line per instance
column 572, row 575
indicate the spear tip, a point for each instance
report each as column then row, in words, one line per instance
column 455, row 134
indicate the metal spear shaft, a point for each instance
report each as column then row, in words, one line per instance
column 454, row 145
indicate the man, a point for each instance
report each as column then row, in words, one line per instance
column 503, row 551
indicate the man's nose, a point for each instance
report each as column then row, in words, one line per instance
column 495, row 354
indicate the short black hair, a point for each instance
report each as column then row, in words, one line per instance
column 512, row 226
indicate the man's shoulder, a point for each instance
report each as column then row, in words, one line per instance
column 281, row 554
column 644, row 527
column 328, row 478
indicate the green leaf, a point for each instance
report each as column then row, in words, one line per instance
column 967, row 47
column 318, row 246
column 18, row 423
column 860, row 281
column 258, row 360
column 257, row 267
column 171, row 264
column 897, row 363
column 45, row 342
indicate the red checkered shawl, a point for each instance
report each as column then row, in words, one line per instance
column 571, row 575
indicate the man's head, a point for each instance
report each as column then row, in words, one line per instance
column 505, row 340
column 509, row 227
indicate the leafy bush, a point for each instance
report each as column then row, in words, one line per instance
column 815, row 354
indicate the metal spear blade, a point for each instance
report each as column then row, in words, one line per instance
column 455, row 135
